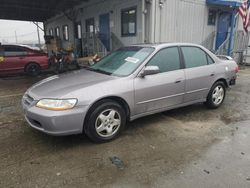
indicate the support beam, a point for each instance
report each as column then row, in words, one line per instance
column 35, row 10
column 231, row 37
column 37, row 25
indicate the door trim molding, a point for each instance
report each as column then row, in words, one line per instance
column 179, row 94
column 198, row 90
column 157, row 99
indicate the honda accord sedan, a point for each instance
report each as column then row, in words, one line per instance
column 129, row 83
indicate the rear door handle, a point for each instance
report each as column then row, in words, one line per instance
column 212, row 74
column 178, row 81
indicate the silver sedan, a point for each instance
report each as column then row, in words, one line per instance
column 129, row 83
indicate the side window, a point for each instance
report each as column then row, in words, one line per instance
column 194, row 57
column 14, row 51
column 57, row 32
column 66, row 32
column 210, row 60
column 128, row 22
column 1, row 51
column 51, row 32
column 78, row 30
column 167, row 60
column 90, row 25
column 211, row 17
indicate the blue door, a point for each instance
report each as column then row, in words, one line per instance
column 222, row 28
column 104, row 30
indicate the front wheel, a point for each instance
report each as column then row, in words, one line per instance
column 105, row 122
column 216, row 95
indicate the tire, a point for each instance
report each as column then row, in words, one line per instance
column 33, row 69
column 216, row 95
column 105, row 121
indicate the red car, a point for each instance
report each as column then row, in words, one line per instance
column 18, row 59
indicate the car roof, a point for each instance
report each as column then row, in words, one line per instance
column 162, row 45
column 18, row 45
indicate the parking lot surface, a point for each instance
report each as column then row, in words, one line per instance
column 186, row 147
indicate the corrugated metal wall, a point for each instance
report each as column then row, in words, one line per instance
column 181, row 21
column 174, row 21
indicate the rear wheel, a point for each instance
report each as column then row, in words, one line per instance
column 33, row 69
column 105, row 121
column 216, row 95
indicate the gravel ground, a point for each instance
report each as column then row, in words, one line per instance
column 186, row 147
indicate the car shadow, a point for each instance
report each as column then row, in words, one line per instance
column 143, row 122
column 178, row 113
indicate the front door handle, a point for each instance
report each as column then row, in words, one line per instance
column 212, row 74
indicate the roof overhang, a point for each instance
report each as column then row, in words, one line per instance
column 34, row 10
column 230, row 3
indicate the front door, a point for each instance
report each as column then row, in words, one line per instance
column 162, row 90
column 104, row 30
column 222, row 29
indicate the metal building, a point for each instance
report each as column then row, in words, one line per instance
column 99, row 26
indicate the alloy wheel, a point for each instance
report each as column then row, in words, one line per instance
column 108, row 123
column 218, row 95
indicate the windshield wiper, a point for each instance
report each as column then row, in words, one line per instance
column 98, row 70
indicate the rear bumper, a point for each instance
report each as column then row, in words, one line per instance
column 232, row 81
column 44, row 66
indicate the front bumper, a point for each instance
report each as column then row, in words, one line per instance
column 57, row 123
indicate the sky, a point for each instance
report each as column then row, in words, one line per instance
column 26, row 32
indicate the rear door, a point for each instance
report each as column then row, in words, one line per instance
column 199, row 72
column 162, row 90
column 15, row 58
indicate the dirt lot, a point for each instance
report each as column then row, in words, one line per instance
column 187, row 147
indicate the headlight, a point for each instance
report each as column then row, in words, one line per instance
column 57, row 104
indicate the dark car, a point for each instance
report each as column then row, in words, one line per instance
column 18, row 59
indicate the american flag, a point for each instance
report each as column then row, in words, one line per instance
column 244, row 12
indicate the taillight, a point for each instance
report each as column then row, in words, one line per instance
column 237, row 68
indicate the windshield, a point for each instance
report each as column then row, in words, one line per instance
column 122, row 62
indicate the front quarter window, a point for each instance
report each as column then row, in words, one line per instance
column 123, row 62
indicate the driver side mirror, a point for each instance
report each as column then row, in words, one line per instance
column 149, row 70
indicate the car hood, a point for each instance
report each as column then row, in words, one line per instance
column 63, row 85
